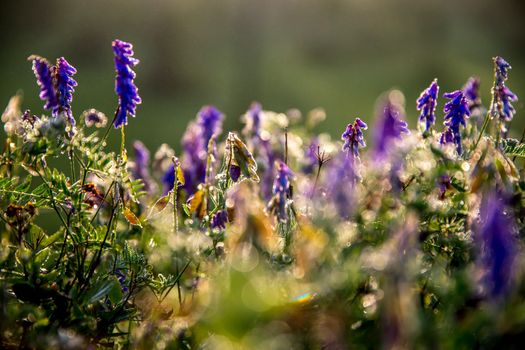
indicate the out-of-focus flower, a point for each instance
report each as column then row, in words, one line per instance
column 65, row 88
column 252, row 119
column 341, row 179
column 456, row 111
column 311, row 156
column 162, row 160
column 12, row 114
column 127, row 91
column 471, row 92
column 503, row 97
column 498, row 245
column 44, row 77
column 140, row 166
column 281, row 191
column 426, row 103
column 353, row 137
column 168, row 180
column 94, row 117
column 269, row 158
column 210, row 120
column 389, row 123
column 194, row 157
column 219, row 220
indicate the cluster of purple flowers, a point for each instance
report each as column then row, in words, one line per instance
column 56, row 86
column 127, row 91
column 353, row 137
column 456, row 111
column 498, row 245
column 426, row 103
column 195, row 146
column 389, row 126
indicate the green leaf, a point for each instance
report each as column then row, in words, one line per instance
column 100, row 290
column 513, row 148
column 115, row 293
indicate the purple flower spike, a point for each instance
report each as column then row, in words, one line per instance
column 471, row 92
column 353, row 137
column 456, row 111
column 65, row 88
column 506, row 97
column 210, row 120
column 389, row 126
column 44, row 78
column 426, row 103
column 498, row 245
column 219, row 220
column 194, row 157
column 253, row 121
column 281, row 189
column 127, row 91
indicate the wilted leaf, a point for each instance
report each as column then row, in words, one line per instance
column 131, row 217
column 196, row 203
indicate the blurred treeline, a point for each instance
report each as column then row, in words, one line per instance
column 337, row 54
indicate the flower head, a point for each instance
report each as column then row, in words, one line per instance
column 353, row 137
column 44, row 78
column 389, row 125
column 426, row 103
column 498, row 246
column 94, row 117
column 127, row 91
column 456, row 111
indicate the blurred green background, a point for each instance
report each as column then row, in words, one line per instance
column 303, row 54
